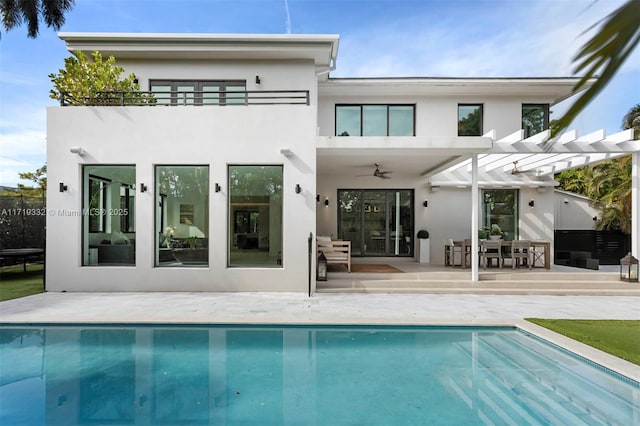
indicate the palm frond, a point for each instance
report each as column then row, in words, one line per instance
column 606, row 51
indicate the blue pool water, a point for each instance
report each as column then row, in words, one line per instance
column 265, row 375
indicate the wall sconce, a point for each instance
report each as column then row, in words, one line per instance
column 317, row 198
column 77, row 150
column 143, row 187
column 63, row 187
column 298, row 188
column 217, row 187
column 595, row 218
column 426, row 203
column 566, row 201
column 532, row 203
column 326, row 202
column 257, row 80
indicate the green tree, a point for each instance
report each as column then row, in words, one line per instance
column 39, row 177
column 31, row 12
column 603, row 55
column 632, row 121
column 96, row 82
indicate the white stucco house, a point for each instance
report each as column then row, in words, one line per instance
column 250, row 147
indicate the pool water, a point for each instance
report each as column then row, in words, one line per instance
column 294, row 375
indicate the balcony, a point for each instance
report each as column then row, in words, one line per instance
column 186, row 98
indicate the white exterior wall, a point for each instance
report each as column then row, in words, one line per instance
column 574, row 212
column 189, row 135
column 437, row 115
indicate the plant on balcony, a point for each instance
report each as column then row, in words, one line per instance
column 98, row 82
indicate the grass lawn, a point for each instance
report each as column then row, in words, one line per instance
column 617, row 337
column 14, row 282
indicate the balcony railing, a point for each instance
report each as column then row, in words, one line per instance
column 194, row 98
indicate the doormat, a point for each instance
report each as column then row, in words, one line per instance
column 374, row 268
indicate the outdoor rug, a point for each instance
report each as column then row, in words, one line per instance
column 374, row 268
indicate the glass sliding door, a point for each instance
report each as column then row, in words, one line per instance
column 182, row 216
column 377, row 222
column 500, row 206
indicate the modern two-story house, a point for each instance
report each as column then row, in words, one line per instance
column 247, row 149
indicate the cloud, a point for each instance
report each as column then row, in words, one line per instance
column 539, row 39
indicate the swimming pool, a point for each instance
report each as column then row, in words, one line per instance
column 324, row 375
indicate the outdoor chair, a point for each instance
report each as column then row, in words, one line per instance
column 491, row 249
column 537, row 256
column 521, row 253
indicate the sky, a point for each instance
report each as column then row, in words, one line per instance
column 411, row 38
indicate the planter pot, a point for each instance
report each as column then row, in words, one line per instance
column 495, row 237
column 424, row 254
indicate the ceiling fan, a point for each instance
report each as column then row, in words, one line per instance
column 516, row 171
column 381, row 174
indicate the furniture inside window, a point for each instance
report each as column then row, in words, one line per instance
column 535, row 118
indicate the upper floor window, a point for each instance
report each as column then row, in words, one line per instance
column 535, row 118
column 469, row 119
column 375, row 120
column 214, row 92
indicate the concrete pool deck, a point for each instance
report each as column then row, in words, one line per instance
column 332, row 309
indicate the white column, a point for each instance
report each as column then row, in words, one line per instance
column 635, row 205
column 474, row 218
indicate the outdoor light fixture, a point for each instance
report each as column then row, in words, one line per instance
column 257, row 80
column 217, row 187
column 77, row 150
column 322, row 267
column 63, row 187
column 629, row 268
column 426, row 203
column 326, row 202
column 298, row 188
column 532, row 203
column 286, row 152
column 317, row 198
column 143, row 187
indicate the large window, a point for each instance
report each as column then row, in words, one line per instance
column 108, row 220
column 182, row 215
column 535, row 118
column 199, row 92
column 500, row 206
column 469, row 120
column 255, row 216
column 375, row 120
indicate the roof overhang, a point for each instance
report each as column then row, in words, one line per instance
column 322, row 49
column 556, row 89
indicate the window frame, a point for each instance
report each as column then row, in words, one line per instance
column 197, row 91
column 361, row 106
column 481, row 108
column 546, row 112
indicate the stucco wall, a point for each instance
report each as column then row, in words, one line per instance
column 148, row 136
column 574, row 212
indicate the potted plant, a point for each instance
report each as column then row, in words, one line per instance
column 495, row 232
column 482, row 234
column 423, row 248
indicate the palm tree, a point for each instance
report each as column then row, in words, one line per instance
column 15, row 12
column 604, row 53
column 632, row 121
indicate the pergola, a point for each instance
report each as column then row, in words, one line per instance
column 515, row 161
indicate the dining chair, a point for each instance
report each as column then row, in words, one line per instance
column 491, row 249
column 521, row 253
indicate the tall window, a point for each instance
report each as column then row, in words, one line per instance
column 375, row 120
column 469, row 120
column 535, row 118
column 182, row 215
column 255, row 216
column 108, row 220
column 213, row 92
column 500, row 206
